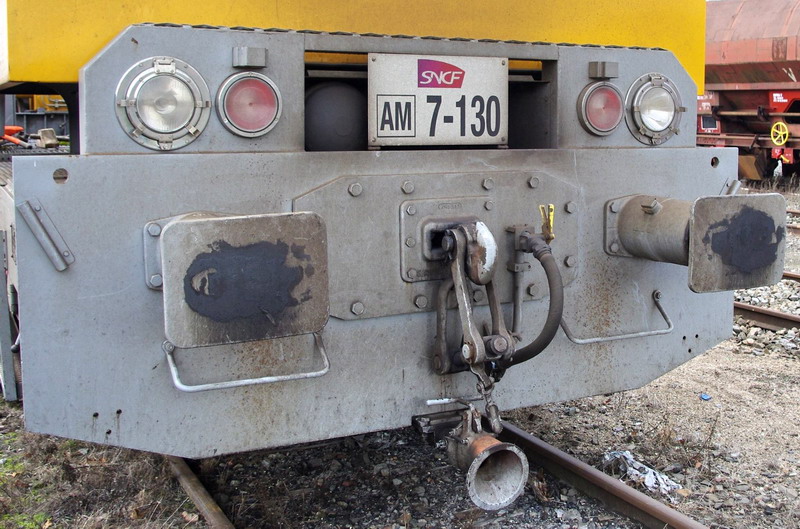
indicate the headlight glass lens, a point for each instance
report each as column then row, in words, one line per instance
column 162, row 103
column 653, row 109
column 165, row 104
column 657, row 109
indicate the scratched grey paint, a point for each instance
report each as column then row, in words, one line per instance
column 93, row 333
column 94, row 368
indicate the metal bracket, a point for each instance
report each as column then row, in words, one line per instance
column 153, row 275
column 169, row 350
column 642, row 334
column 46, row 233
column 8, row 380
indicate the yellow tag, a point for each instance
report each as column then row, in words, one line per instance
column 548, row 213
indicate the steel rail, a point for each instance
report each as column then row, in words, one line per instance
column 590, row 481
column 791, row 275
column 793, row 228
column 795, row 212
column 198, row 494
column 766, row 318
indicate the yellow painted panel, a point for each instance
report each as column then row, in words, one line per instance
column 52, row 42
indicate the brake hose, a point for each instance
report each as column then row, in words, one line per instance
column 537, row 245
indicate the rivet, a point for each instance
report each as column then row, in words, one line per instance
column 156, row 280
column 407, row 187
column 421, row 302
column 411, row 210
column 357, row 308
column 37, row 208
column 154, row 229
column 411, row 273
column 533, row 182
column 532, row 290
column 355, row 189
column 614, row 207
column 65, row 253
column 488, row 184
column 411, row 242
column 614, row 247
column 571, row 260
column 488, row 205
column 570, row 207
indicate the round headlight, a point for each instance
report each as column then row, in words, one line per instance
column 249, row 104
column 654, row 109
column 163, row 103
column 600, row 108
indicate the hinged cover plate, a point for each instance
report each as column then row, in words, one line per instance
column 230, row 279
column 736, row 242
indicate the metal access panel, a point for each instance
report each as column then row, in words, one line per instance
column 230, row 279
column 95, row 366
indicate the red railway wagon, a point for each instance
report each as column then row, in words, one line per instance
column 752, row 97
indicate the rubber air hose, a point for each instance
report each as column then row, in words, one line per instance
column 543, row 253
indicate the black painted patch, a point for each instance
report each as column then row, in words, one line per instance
column 747, row 241
column 250, row 282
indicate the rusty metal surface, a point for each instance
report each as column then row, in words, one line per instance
column 766, row 318
column 736, row 242
column 231, row 279
column 752, row 44
column 611, row 491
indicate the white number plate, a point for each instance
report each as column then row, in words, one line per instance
column 437, row 100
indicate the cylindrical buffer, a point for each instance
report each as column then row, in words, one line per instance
column 655, row 228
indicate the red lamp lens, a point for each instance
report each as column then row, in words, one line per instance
column 604, row 108
column 251, row 104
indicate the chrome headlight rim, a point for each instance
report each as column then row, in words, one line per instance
column 222, row 113
column 136, row 79
column 633, row 105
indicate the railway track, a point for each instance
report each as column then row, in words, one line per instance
column 768, row 318
column 616, row 496
column 793, row 228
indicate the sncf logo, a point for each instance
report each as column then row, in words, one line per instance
column 438, row 74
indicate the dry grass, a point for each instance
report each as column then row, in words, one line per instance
column 51, row 483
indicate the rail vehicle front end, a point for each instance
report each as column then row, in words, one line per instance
column 274, row 237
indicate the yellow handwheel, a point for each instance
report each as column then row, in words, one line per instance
column 779, row 133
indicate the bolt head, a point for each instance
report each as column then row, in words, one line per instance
column 614, row 247
column 488, row 184
column 500, row 344
column 168, row 346
column 156, row 280
column 533, row 182
column 154, row 229
column 466, row 352
column 570, row 207
column 478, row 296
column 571, row 261
column 412, row 273
column 355, row 189
column 411, row 242
column 407, row 187
column 533, row 290
column 357, row 308
column 411, row 210
column 488, row 205
column 421, row 302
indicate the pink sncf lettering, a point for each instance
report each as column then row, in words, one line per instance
column 438, row 74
